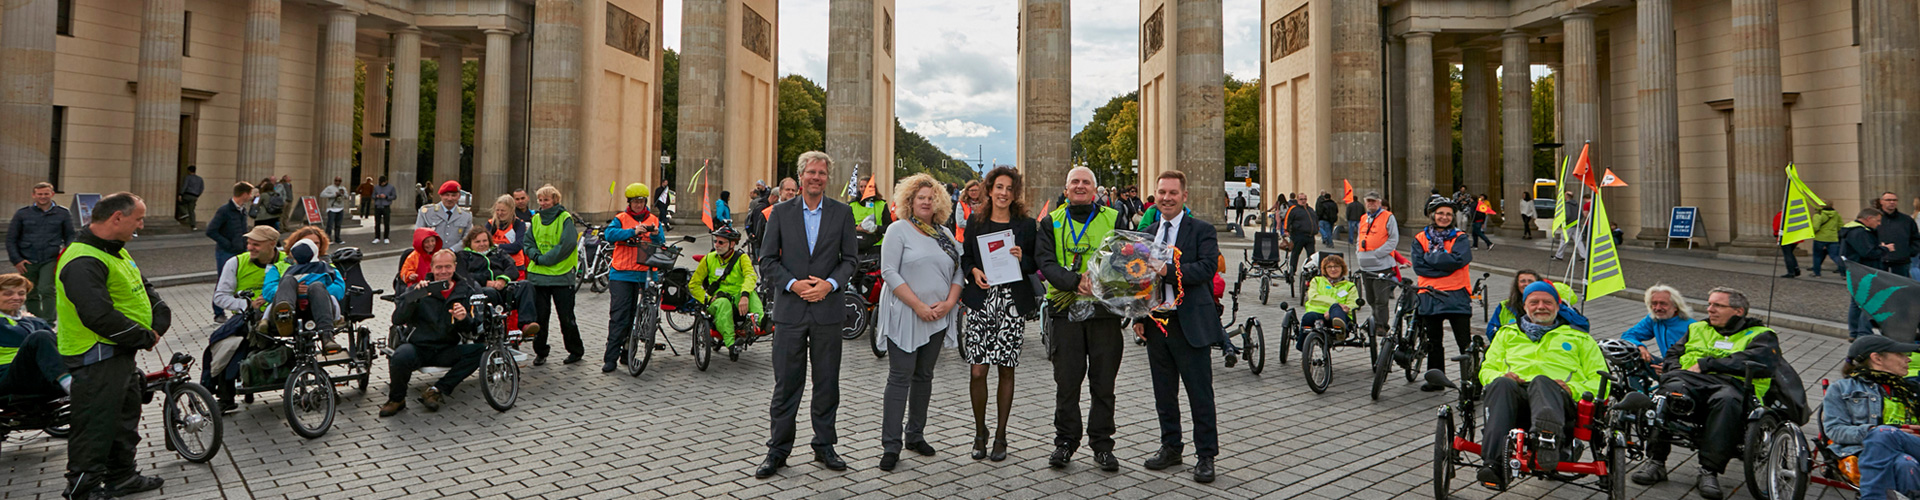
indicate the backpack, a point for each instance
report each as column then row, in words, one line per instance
column 275, row 204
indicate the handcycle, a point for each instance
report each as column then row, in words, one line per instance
column 500, row 362
column 1597, row 425
column 706, row 337
column 1263, row 263
column 190, row 419
column 861, row 297
column 1407, row 345
column 1774, row 453
column 308, row 392
column 1253, row 338
column 1316, row 354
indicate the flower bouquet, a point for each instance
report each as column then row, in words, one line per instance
column 1125, row 269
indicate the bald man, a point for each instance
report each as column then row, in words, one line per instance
column 1081, row 350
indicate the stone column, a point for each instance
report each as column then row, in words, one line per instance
column 336, row 113
column 1396, row 120
column 446, row 119
column 1201, row 115
column 1356, row 125
column 373, row 118
column 1516, row 131
column 517, row 110
column 1659, row 106
column 1475, row 134
column 1420, row 125
column 260, row 91
column 1581, row 85
column 156, row 106
column 26, row 106
column 1442, row 139
column 405, row 127
column 1759, row 122
column 1046, row 67
column 1889, row 97
column 490, row 172
column 703, row 104
column 850, row 87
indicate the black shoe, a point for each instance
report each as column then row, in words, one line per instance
column 540, row 360
column 921, row 447
column 571, row 359
column 1062, row 456
column 1790, row 275
column 134, row 484
column 1654, row 472
column 888, row 460
column 980, row 446
column 609, row 367
column 769, row 467
column 1203, row 470
column 1106, row 461
column 220, row 318
column 999, row 452
column 90, row 490
column 1166, row 457
column 1491, row 479
column 1710, row 486
column 229, row 407
column 826, row 457
column 1546, row 450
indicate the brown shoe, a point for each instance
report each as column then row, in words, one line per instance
column 281, row 316
column 393, row 408
column 530, row 329
column 432, row 399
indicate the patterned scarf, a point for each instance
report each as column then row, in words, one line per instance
column 946, row 244
column 1897, row 387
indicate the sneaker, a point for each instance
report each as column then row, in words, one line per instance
column 229, row 407
column 1339, row 324
column 432, row 399
column 392, row 408
column 1654, row 472
column 329, row 346
column 1491, row 479
column 1709, row 484
column 135, row 484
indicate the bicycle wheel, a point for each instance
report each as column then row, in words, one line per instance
column 879, row 346
column 1775, row 459
column 1383, row 364
column 1317, row 363
column 599, row 284
column 702, row 348
column 856, row 307
column 363, row 354
column 500, row 378
column 1616, row 477
column 309, row 401
column 680, row 321
column 1289, row 330
column 1443, row 456
column 1255, row 340
column 192, row 421
column 1265, row 282
column 640, row 341
column 1420, row 351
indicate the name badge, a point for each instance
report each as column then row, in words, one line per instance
column 1343, row 294
column 718, row 271
column 1723, row 345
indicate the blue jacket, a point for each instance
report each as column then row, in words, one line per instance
column 616, row 233
column 1664, row 332
column 1440, row 263
column 336, row 286
column 38, row 235
column 228, row 229
column 1852, row 411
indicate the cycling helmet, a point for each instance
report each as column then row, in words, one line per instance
column 344, row 256
column 636, row 190
column 1437, row 203
column 727, row 232
column 1620, row 351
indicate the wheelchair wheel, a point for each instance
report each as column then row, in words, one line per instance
column 192, row 422
column 1776, row 459
column 63, row 423
column 1254, row 341
column 639, row 348
column 879, row 345
column 1317, row 363
column 309, row 401
column 500, row 378
column 1265, row 283
column 1289, row 330
column 1383, row 364
column 1443, row 455
column 857, row 316
column 703, row 347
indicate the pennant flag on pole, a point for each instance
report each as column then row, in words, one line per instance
column 1611, row 180
column 1486, row 207
column 613, row 187
column 1603, row 261
column 1349, row 196
column 1796, row 220
column 1560, row 198
column 706, row 203
column 1583, row 169
column 853, row 179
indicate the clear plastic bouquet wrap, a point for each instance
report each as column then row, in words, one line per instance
column 1125, row 268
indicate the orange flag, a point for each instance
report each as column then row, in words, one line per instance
column 706, row 202
column 1486, row 208
column 1611, row 180
column 1348, row 198
column 1583, row 169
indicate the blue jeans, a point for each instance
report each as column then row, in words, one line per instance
column 1307, row 320
column 1823, row 251
column 1353, row 228
column 1326, row 232
column 1888, row 464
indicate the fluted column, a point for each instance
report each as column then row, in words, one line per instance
column 1582, row 82
column 260, row 91
column 490, row 178
column 373, row 118
column 849, row 106
column 446, row 119
column 1516, row 131
column 336, row 113
column 554, row 136
column 1199, row 62
column 1889, row 97
column 1045, row 116
column 26, row 104
column 1420, row 125
column 1442, row 138
column 1759, row 122
column 1475, row 134
column 156, row 106
column 405, row 126
column 1659, row 106
column 517, row 92
column 1356, row 125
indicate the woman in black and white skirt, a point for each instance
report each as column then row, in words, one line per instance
column 996, row 314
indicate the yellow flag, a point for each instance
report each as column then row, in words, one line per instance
column 1603, row 260
column 1560, row 199
column 1796, row 219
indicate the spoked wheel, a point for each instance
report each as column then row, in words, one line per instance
column 1317, row 363
column 1254, row 339
column 1383, row 364
column 703, row 347
column 309, row 401
column 1415, row 365
column 857, row 319
column 1289, row 330
column 680, row 321
column 192, row 421
column 879, row 345
column 599, row 284
column 1443, row 455
column 361, row 349
column 1413, row 336
column 500, row 378
column 1776, row 459
column 1265, row 283
column 640, row 341
column 1617, row 469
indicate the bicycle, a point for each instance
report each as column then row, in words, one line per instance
column 1408, row 344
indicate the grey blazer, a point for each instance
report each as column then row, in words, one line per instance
column 784, row 256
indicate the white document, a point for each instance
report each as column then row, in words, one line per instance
column 996, row 257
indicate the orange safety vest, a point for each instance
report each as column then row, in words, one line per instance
column 627, row 257
column 519, row 258
column 1460, row 278
column 960, row 231
column 1373, row 230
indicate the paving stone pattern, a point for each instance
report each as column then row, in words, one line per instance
column 682, row 433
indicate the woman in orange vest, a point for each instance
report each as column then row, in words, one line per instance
column 507, row 231
column 1441, row 259
column 630, row 230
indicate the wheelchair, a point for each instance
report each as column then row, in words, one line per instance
column 1316, row 355
column 863, row 296
column 1263, row 263
column 1775, row 453
column 306, row 376
column 1600, row 425
column 190, row 419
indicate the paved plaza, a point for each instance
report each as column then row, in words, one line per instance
column 683, row 433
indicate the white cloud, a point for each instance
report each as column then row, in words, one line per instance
column 953, row 128
column 958, row 154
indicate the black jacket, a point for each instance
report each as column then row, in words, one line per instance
column 479, row 268
column 1355, row 211
column 784, row 257
column 1859, row 243
column 38, row 235
column 430, row 314
column 1298, row 221
column 85, row 282
column 1327, row 210
column 1025, row 233
column 1199, row 246
column 1897, row 228
column 228, row 229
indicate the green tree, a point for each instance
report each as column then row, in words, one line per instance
column 802, row 117
column 1090, row 144
column 1123, row 143
column 915, row 154
column 1242, row 124
column 670, row 112
column 1543, row 95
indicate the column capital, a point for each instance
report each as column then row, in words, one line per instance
column 1577, row 14
column 1419, row 34
column 500, row 31
column 1515, row 34
column 341, row 9
column 408, row 30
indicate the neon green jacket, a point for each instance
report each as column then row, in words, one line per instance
column 1564, row 353
column 740, row 278
column 1323, row 294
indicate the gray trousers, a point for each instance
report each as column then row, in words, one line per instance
column 909, row 387
column 1380, row 298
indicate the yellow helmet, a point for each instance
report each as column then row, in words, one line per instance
column 637, row 190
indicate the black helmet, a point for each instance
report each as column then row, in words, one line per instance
column 345, row 256
column 1437, row 203
column 728, row 233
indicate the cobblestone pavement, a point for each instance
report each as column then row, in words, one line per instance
column 679, row 432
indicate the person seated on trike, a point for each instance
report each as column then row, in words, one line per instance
column 309, row 274
column 436, row 312
column 1871, row 418
column 494, row 272
column 418, row 266
column 1508, row 311
column 1329, row 298
column 721, row 281
column 30, row 363
column 1707, row 368
column 1521, row 389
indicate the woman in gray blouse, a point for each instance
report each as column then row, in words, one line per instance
column 920, row 262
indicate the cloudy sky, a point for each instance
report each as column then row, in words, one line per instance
column 957, row 78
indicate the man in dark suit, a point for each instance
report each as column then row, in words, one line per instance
column 807, row 256
column 1180, row 342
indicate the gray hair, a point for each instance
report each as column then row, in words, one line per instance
column 809, row 157
column 121, row 203
column 1679, row 301
column 1735, row 298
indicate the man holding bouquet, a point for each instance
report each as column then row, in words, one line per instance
column 1181, row 333
column 1084, row 349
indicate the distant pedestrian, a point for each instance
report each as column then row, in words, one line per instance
column 365, row 190
column 1479, row 218
column 189, row 197
column 285, row 188
column 1899, row 229
column 35, row 238
column 1826, row 239
column 1355, row 210
column 1526, row 216
column 1327, row 213
column 383, row 196
column 1861, row 244
column 337, row 197
column 267, row 206
column 228, row 230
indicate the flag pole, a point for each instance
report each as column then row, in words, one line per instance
column 1773, row 280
